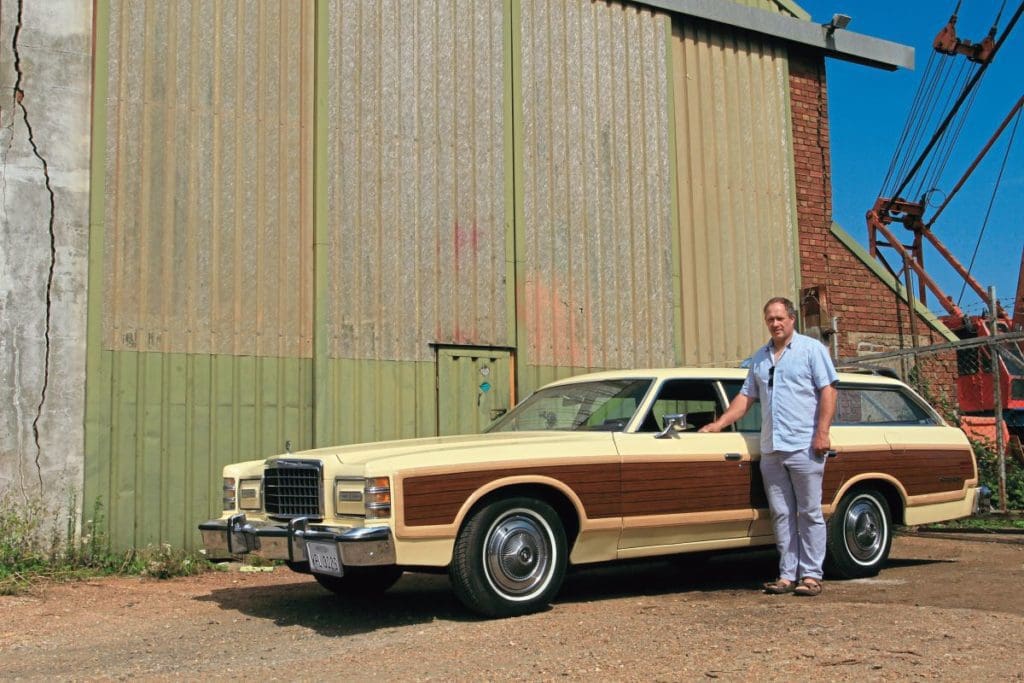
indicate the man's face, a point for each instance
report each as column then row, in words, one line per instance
column 780, row 323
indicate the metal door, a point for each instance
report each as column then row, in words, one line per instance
column 474, row 387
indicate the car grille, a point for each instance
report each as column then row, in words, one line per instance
column 293, row 489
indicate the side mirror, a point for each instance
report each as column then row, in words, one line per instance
column 673, row 423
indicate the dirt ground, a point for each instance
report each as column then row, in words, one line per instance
column 943, row 609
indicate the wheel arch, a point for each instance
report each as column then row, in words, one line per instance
column 562, row 500
column 889, row 488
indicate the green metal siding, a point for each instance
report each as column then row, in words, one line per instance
column 200, row 307
column 374, row 400
column 170, row 423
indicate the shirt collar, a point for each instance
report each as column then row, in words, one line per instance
column 770, row 347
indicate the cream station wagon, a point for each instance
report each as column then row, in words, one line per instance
column 599, row 467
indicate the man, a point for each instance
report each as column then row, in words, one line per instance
column 794, row 379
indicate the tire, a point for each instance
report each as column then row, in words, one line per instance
column 298, row 567
column 509, row 558
column 859, row 535
column 361, row 581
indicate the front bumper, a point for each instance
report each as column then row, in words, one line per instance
column 357, row 546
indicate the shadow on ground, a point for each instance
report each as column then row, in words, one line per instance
column 423, row 598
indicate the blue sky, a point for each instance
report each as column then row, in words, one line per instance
column 868, row 109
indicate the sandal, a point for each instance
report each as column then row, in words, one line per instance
column 779, row 586
column 809, row 587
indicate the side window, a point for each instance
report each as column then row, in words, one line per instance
column 879, row 406
column 613, row 415
column 697, row 398
column 751, row 422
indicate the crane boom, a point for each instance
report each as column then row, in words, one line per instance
column 1018, row 301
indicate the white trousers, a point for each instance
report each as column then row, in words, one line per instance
column 792, row 482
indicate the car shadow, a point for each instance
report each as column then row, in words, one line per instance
column 416, row 598
column 422, row 598
column 914, row 562
column 681, row 574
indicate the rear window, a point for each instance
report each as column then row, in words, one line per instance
column 855, row 405
column 879, row 406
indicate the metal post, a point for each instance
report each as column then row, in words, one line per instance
column 997, row 398
column 911, row 315
column 835, row 336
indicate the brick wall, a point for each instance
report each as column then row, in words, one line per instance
column 871, row 318
column 866, row 307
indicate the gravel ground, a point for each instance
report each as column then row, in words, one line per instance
column 944, row 609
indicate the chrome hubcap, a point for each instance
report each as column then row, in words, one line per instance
column 518, row 553
column 864, row 530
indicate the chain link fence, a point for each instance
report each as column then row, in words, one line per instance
column 977, row 384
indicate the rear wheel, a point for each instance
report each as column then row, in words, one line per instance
column 360, row 581
column 859, row 535
column 510, row 558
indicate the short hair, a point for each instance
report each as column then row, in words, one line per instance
column 790, row 308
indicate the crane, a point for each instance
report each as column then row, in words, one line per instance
column 917, row 180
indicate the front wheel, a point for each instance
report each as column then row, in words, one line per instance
column 859, row 535
column 510, row 558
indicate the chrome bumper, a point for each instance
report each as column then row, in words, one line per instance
column 982, row 500
column 357, row 547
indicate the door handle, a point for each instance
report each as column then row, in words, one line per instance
column 733, row 456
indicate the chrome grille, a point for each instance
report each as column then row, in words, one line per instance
column 293, row 488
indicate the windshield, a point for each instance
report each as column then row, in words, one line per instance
column 597, row 406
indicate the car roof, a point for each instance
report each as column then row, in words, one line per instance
column 710, row 374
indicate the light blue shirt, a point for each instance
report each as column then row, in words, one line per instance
column 789, row 407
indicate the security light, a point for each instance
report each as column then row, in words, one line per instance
column 838, row 21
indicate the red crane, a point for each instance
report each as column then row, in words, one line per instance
column 975, row 383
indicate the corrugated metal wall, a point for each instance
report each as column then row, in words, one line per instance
column 208, row 178
column 416, row 209
column 494, row 173
column 735, row 188
column 416, row 185
column 595, row 289
column 206, row 303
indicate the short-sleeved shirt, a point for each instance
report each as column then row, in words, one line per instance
column 789, row 407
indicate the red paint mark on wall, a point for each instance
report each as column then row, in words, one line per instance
column 466, row 237
column 556, row 332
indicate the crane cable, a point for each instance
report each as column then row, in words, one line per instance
column 991, row 203
column 975, row 79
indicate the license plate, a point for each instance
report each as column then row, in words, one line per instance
column 323, row 558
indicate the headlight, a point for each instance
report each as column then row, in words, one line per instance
column 377, row 497
column 229, row 493
column 249, row 494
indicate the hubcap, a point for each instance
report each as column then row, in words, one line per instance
column 864, row 530
column 518, row 553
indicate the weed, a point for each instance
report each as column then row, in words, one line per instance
column 38, row 545
column 988, row 473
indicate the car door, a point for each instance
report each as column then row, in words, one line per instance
column 687, row 488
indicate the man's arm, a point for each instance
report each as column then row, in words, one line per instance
column 826, row 411
column 737, row 409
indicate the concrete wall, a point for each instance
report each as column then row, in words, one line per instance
column 45, row 76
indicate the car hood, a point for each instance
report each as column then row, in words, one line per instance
column 429, row 450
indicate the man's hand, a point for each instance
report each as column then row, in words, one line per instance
column 738, row 408
column 821, row 443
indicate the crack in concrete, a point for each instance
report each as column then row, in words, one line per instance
column 19, row 103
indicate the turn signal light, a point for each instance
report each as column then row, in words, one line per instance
column 377, row 497
column 230, row 493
